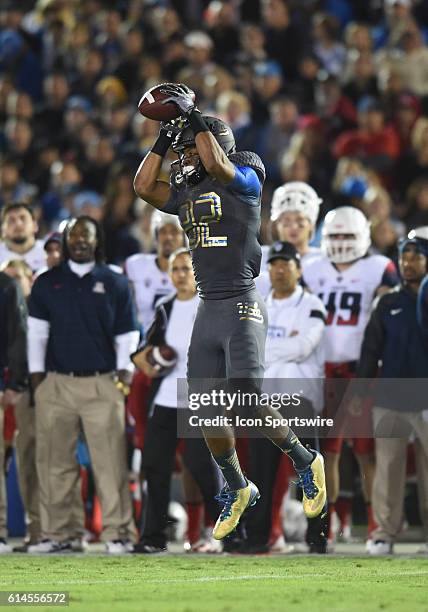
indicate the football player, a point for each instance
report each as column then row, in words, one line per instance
column 216, row 194
column 148, row 272
column 18, row 231
column 347, row 279
column 294, row 213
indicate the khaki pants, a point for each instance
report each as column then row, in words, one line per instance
column 390, row 474
column 62, row 403
column 25, row 443
column 3, row 501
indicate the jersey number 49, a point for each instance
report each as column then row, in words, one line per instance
column 342, row 308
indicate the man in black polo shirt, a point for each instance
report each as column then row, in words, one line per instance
column 82, row 329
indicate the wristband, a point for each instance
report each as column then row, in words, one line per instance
column 197, row 122
column 161, row 145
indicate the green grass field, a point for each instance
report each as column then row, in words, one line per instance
column 197, row 584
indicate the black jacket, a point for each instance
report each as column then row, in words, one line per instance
column 13, row 335
column 156, row 336
column 394, row 349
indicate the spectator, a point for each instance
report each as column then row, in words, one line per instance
column 221, row 18
column 294, row 212
column 50, row 115
column 201, row 72
column 414, row 164
column 346, row 279
column 398, row 344
column 413, row 65
column 361, row 78
column 417, row 203
column 53, row 248
column 18, row 230
column 277, row 135
column 375, row 143
column 327, row 48
column 12, row 187
column 283, row 38
column 73, row 373
column 172, row 326
column 130, row 60
column 12, row 357
column 293, row 352
column 57, row 202
column 406, row 113
column 150, row 281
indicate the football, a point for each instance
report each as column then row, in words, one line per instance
column 163, row 358
column 151, row 104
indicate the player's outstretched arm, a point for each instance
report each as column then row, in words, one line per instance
column 146, row 182
column 213, row 158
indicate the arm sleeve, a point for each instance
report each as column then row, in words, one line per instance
column 16, row 338
column 38, row 336
column 156, row 332
column 125, row 344
column 298, row 348
column 373, row 343
column 126, row 318
column 246, row 184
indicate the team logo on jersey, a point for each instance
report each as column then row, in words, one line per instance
column 250, row 311
column 275, row 332
column 99, row 287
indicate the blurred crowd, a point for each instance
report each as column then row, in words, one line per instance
column 332, row 93
column 328, row 92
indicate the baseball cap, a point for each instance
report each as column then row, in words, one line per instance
column 198, row 40
column 369, row 103
column 418, row 238
column 283, row 250
column 267, row 69
column 53, row 237
column 79, row 102
column 87, row 198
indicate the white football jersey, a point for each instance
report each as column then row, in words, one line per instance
column 263, row 281
column 348, row 298
column 149, row 282
column 35, row 257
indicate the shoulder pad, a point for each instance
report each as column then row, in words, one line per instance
column 250, row 159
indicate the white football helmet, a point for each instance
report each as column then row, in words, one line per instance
column 345, row 220
column 159, row 219
column 295, row 196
